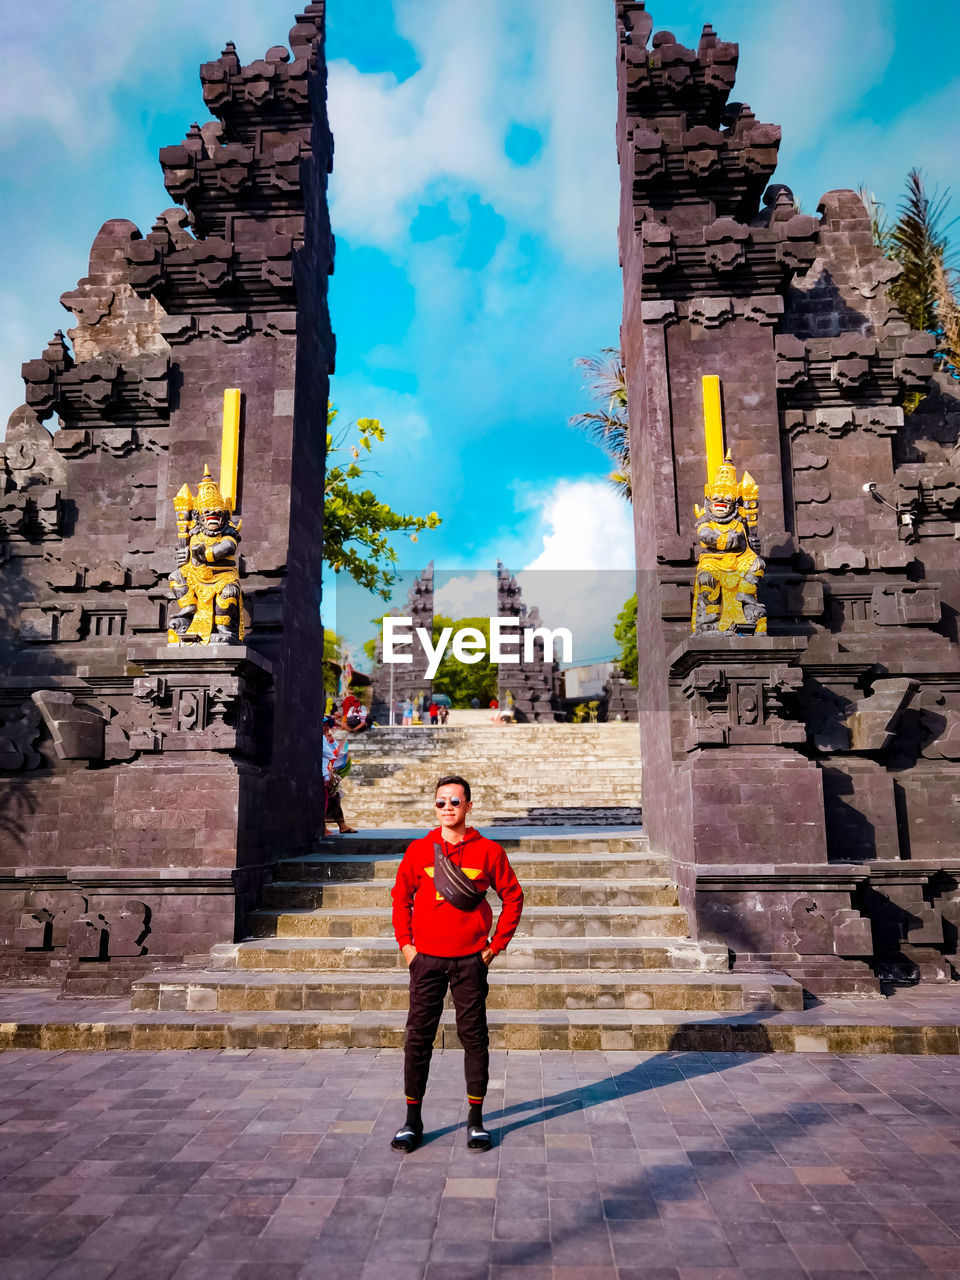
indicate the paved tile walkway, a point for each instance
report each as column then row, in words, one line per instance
column 268, row 1165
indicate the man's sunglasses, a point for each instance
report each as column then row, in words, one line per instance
column 453, row 801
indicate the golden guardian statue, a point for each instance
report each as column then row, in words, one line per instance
column 206, row 584
column 729, row 568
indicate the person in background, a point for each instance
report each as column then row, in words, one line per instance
column 408, row 711
column 334, row 756
column 350, row 704
column 434, row 712
column 359, row 720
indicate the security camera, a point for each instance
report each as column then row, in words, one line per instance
column 869, row 487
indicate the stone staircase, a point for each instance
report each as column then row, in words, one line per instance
column 528, row 775
column 602, row 957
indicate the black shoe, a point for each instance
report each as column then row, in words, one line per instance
column 477, row 1138
column 406, row 1139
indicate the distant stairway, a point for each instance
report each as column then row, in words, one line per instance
column 602, row 958
column 521, row 775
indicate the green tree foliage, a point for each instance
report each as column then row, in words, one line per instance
column 625, row 634
column 460, row 681
column 357, row 527
column 332, row 660
column 927, row 292
column 605, row 381
column 586, row 712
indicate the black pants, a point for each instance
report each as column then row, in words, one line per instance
column 430, row 976
column 334, row 813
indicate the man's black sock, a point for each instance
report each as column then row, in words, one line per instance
column 475, row 1114
column 414, row 1117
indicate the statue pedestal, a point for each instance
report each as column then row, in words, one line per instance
column 755, row 874
column 199, row 698
column 150, row 802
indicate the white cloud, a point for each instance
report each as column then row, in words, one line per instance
column 805, row 66
column 587, row 526
column 878, row 155
column 578, row 80
column 586, row 603
column 467, row 595
column 111, row 44
column 400, row 143
column 584, row 570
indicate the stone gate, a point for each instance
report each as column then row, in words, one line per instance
column 144, row 788
column 805, row 783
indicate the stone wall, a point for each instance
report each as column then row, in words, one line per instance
column 145, row 788
column 802, row 782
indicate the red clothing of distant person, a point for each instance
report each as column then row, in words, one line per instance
column 435, row 926
column 350, row 704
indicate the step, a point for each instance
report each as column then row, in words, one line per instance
column 612, row 1030
column 425, row 762
column 525, row 954
column 533, row 866
column 581, row 838
column 557, row 773
column 620, row 777
column 241, row 991
column 368, row 816
column 496, row 792
column 444, row 733
column 517, row 774
column 304, row 894
column 539, row 922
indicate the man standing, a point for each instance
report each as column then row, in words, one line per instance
column 442, row 922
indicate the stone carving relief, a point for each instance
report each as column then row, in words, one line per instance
column 46, row 920
column 88, row 927
column 872, row 724
column 836, row 422
column 98, row 389
column 110, row 930
column 195, row 714
column 713, row 313
column 743, row 705
column 20, row 730
column 941, row 733
column 77, row 732
column 820, row 926
column 45, row 624
column 31, row 476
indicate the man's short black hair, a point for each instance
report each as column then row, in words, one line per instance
column 453, row 780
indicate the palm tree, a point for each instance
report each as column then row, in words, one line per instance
column 926, row 292
column 605, row 380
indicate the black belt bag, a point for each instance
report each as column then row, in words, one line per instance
column 451, row 883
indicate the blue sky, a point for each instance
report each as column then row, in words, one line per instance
column 474, row 200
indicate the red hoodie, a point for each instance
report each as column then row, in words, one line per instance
column 435, row 926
